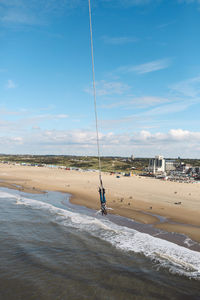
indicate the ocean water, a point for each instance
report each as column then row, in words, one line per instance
column 50, row 249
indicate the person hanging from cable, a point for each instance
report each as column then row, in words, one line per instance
column 102, row 200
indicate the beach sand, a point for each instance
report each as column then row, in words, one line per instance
column 140, row 198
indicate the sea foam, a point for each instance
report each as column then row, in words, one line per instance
column 177, row 259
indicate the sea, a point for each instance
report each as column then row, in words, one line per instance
column 51, row 249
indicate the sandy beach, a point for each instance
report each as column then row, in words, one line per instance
column 140, row 198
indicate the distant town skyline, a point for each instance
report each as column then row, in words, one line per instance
column 147, row 66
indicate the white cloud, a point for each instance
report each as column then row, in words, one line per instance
column 188, row 88
column 36, row 120
column 104, row 88
column 36, row 127
column 128, row 3
column 173, row 143
column 17, row 139
column 6, row 112
column 11, row 84
column 137, row 102
column 39, row 12
column 23, row 120
column 36, row 12
column 155, row 117
column 149, row 101
column 163, row 25
column 119, row 40
column 33, row 12
column 19, row 17
column 174, row 135
column 167, row 109
column 151, row 66
column 61, row 116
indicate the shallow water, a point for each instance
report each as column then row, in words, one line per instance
column 50, row 249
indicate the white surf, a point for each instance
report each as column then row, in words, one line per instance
column 177, row 259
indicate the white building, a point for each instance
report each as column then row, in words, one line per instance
column 170, row 165
column 161, row 165
column 157, row 164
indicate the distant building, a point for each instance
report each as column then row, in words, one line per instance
column 157, row 164
column 182, row 167
column 132, row 157
column 161, row 165
column 197, row 170
column 175, row 169
column 170, row 165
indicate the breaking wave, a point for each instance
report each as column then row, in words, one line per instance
column 177, row 259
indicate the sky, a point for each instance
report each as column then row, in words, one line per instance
column 147, row 70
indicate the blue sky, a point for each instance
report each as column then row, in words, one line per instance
column 147, row 67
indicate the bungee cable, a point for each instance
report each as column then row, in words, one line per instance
column 101, row 189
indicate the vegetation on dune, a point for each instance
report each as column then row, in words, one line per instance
column 109, row 164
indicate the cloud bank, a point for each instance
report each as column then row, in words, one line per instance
column 175, row 142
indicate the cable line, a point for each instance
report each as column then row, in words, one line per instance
column 101, row 188
column 94, row 94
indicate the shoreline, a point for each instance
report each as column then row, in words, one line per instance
column 137, row 198
column 175, row 238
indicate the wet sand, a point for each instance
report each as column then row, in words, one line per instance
column 138, row 198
